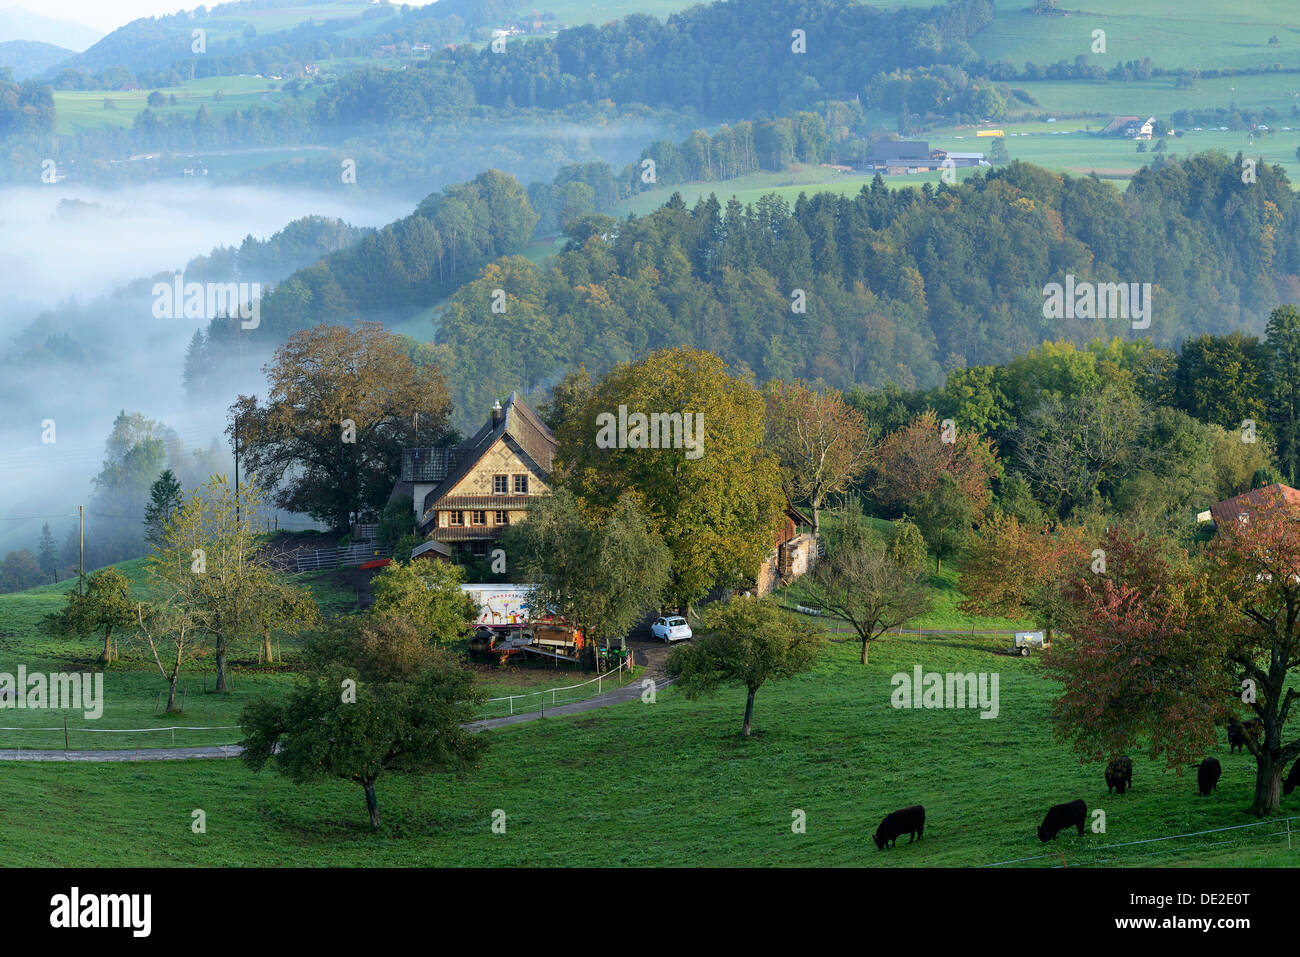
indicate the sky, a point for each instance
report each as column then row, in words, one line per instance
column 108, row 15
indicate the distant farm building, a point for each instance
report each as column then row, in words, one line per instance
column 1133, row 127
column 1239, row 507
column 899, row 157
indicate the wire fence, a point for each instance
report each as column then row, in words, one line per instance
column 50, row 738
column 316, row 559
column 1258, row 835
column 531, row 701
column 68, row 736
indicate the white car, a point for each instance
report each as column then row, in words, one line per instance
column 670, row 629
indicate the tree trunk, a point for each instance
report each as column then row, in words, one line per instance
column 938, row 565
column 266, row 647
column 221, row 666
column 1268, row 786
column 106, row 657
column 865, row 645
column 817, row 516
column 372, row 802
column 749, row 711
column 171, row 696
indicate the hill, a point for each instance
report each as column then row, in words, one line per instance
column 26, row 58
column 17, row 23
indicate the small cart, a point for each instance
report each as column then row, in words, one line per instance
column 1028, row 640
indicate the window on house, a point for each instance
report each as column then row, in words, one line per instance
column 478, row 517
column 500, row 484
column 521, row 484
column 502, row 518
column 458, row 518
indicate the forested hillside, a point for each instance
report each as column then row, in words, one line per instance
column 899, row 285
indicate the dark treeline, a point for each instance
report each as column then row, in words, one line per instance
column 413, row 262
column 722, row 59
column 893, row 285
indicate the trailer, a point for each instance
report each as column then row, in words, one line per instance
column 1028, row 640
column 501, row 606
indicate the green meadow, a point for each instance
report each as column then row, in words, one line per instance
column 668, row 783
column 673, row 783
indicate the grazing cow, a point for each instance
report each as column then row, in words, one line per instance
column 1236, row 741
column 1207, row 775
column 909, row 820
column 1119, row 774
column 1292, row 779
column 1060, row 817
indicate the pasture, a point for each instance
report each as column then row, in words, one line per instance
column 667, row 783
column 672, row 783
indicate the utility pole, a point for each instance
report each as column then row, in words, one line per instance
column 81, row 545
column 236, row 468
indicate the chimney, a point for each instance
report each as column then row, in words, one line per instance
column 496, row 413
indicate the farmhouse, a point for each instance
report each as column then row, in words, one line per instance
column 1131, row 126
column 465, row 496
column 1239, row 507
column 897, row 157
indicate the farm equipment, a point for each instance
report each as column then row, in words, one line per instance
column 1027, row 641
column 549, row 638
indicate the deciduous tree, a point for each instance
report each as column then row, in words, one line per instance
column 821, row 442
column 746, row 641
column 859, row 581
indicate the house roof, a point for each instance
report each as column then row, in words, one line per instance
column 885, row 151
column 1231, row 509
column 516, row 422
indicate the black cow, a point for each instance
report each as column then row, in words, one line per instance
column 1060, row 817
column 1236, row 741
column 1292, row 779
column 909, row 820
column 1207, row 775
column 1119, row 774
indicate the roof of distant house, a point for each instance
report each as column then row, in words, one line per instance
column 1231, row 509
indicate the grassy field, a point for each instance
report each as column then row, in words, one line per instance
column 133, row 686
column 672, row 783
column 1201, row 33
column 84, row 109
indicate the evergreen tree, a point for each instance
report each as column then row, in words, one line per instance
column 46, row 555
column 164, row 499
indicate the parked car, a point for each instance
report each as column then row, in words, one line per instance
column 670, row 629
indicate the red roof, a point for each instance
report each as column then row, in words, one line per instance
column 1231, row 509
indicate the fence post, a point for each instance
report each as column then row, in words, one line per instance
column 66, row 748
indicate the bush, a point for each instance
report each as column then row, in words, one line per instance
column 907, row 546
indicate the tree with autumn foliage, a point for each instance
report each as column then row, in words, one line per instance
column 1164, row 649
column 717, row 507
column 1252, row 579
column 821, row 442
column 1017, row 571
column 1143, row 663
column 908, row 463
column 342, row 404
